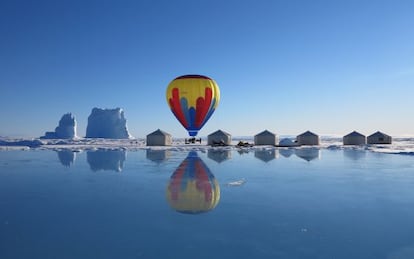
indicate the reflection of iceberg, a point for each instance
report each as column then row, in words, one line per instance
column 266, row 155
column 158, row 156
column 219, row 155
column 308, row 154
column 286, row 152
column 66, row 157
column 193, row 188
column 354, row 154
column 106, row 160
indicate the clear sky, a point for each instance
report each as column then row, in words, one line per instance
column 287, row 66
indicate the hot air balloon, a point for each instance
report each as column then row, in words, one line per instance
column 192, row 188
column 193, row 99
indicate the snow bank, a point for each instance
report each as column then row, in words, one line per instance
column 403, row 146
column 21, row 143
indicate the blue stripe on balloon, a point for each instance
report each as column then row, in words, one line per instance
column 192, row 113
column 184, row 109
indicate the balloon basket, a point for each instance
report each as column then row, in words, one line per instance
column 192, row 140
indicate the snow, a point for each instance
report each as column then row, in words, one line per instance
column 65, row 130
column 107, row 123
column 33, row 143
column 236, row 183
column 286, row 142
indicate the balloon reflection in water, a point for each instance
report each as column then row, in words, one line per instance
column 193, row 188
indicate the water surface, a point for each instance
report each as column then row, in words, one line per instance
column 306, row 203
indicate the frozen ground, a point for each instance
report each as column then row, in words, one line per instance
column 403, row 145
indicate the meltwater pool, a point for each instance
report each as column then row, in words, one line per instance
column 216, row 203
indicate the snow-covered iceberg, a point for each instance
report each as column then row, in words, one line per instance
column 65, row 130
column 107, row 123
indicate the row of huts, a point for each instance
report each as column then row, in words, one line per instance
column 308, row 138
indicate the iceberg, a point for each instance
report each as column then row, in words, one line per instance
column 107, row 123
column 65, row 130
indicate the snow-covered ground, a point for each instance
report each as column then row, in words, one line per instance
column 403, row 145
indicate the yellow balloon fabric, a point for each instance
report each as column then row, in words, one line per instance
column 192, row 200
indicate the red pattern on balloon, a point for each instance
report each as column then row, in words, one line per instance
column 176, row 107
column 202, row 107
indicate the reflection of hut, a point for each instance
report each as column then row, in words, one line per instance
column 192, row 188
column 379, row 138
column 159, row 138
column 265, row 138
column 219, row 155
column 354, row 138
column 106, row 160
column 354, row 154
column 266, row 155
column 219, row 137
column 308, row 154
column 158, row 156
column 308, row 138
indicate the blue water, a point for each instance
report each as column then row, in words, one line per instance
column 117, row 204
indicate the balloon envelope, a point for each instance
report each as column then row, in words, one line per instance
column 193, row 188
column 193, row 99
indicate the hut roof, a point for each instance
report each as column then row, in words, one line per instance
column 378, row 134
column 266, row 133
column 220, row 132
column 355, row 134
column 307, row 134
column 159, row 132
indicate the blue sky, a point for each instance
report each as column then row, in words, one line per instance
column 287, row 66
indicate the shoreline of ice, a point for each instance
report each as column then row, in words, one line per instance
column 403, row 145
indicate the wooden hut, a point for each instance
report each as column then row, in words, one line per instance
column 354, row 138
column 219, row 138
column 379, row 138
column 265, row 138
column 308, row 138
column 159, row 138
